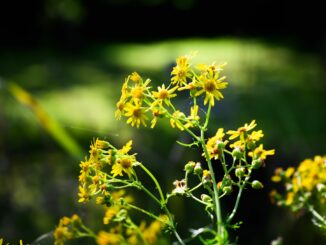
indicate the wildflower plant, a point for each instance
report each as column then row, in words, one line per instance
column 109, row 172
column 304, row 189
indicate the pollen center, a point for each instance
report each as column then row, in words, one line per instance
column 125, row 163
column 137, row 93
column 209, row 86
column 163, row 94
column 136, row 113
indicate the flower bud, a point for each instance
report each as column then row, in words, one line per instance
column 237, row 153
column 239, row 172
column 206, row 176
column 205, row 198
column 198, row 169
column 190, row 166
column 220, row 144
column 257, row 185
column 227, row 189
column 257, row 163
column 251, row 145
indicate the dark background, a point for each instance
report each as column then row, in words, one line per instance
column 61, row 51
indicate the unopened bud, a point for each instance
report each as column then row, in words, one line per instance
column 227, row 189
column 205, row 198
column 257, row 185
column 198, row 169
column 190, row 166
column 237, row 153
column 239, row 172
column 257, row 163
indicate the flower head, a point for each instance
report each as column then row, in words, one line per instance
column 181, row 71
column 163, row 95
column 242, row 131
column 211, row 86
column 136, row 115
column 259, row 152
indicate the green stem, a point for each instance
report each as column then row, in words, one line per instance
column 198, row 200
column 220, row 227
column 149, row 193
column 236, row 205
column 145, row 212
column 316, row 214
column 162, row 202
column 196, row 187
column 155, row 181
column 208, row 115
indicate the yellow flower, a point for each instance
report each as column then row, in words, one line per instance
column 163, row 95
column 83, row 194
column 123, row 99
column 61, row 234
column 276, row 178
column 126, row 148
column 135, row 77
column 138, row 92
column 242, row 131
column 136, row 115
column 289, row 198
column 193, row 118
column 259, row 152
column 181, row 71
column 289, row 172
column 214, row 142
column 212, row 69
column 123, row 164
column 105, row 238
column 157, row 113
column 110, row 213
column 256, row 135
column 176, row 119
column 211, row 86
column 151, row 233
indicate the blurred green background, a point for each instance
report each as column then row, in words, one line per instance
column 73, row 56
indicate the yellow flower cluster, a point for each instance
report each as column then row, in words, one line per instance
column 101, row 169
column 66, row 229
column 302, row 184
column 244, row 141
column 138, row 99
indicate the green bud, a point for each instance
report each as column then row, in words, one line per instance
column 251, row 145
column 205, row 198
column 190, row 166
column 257, row 163
column 220, row 144
column 237, row 153
column 198, row 169
column 239, row 172
column 227, row 189
column 227, row 180
column 257, row 185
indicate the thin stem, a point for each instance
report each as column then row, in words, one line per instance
column 208, row 115
column 224, row 164
column 236, row 205
column 198, row 200
column 155, row 181
column 162, row 202
column 145, row 212
column 316, row 214
column 149, row 193
column 196, row 187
